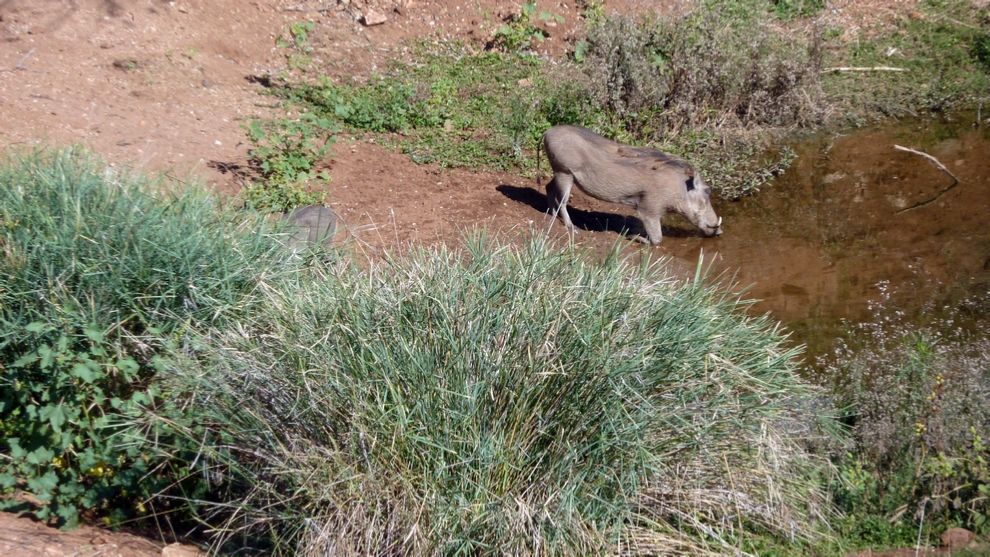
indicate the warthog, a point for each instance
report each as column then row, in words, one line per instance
column 652, row 182
column 314, row 224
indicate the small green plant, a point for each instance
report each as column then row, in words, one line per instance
column 519, row 32
column 787, row 9
column 981, row 50
column 61, row 398
column 298, row 34
column 286, row 153
column 295, row 38
column 592, row 10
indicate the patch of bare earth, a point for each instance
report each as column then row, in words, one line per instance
column 159, row 85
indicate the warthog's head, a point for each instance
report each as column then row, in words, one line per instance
column 698, row 206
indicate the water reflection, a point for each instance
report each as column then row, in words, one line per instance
column 815, row 244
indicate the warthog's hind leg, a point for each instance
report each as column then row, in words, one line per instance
column 558, row 191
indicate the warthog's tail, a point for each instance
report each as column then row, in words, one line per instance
column 539, row 149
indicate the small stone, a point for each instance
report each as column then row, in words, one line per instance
column 832, row 178
column 956, row 538
column 401, row 10
column 207, row 83
column 527, row 82
column 371, row 17
column 126, row 64
column 179, row 550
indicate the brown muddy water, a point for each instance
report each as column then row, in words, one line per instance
column 825, row 244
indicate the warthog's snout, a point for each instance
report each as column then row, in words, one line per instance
column 717, row 229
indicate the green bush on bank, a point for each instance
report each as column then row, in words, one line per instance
column 99, row 269
column 920, row 424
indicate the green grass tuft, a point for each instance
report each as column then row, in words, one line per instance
column 500, row 400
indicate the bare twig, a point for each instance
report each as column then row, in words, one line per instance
column 864, row 69
column 20, row 65
column 955, row 181
column 921, row 524
column 929, row 157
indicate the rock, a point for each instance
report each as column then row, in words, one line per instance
column 371, row 17
column 314, row 224
column 126, row 64
column 179, row 550
column 207, row 83
column 956, row 538
column 401, row 10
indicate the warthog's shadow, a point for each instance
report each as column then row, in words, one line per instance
column 594, row 221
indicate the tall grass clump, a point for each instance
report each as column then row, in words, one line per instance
column 920, row 422
column 501, row 400
column 99, row 269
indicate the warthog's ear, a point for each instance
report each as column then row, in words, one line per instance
column 690, row 179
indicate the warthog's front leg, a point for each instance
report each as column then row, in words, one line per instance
column 558, row 191
column 651, row 221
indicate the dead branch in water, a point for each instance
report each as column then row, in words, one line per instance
column 955, row 181
column 864, row 69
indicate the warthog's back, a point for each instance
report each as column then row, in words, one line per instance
column 608, row 170
column 314, row 224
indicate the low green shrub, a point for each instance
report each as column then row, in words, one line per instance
column 286, row 153
column 519, row 32
column 499, row 400
column 919, row 421
column 98, row 270
column 702, row 71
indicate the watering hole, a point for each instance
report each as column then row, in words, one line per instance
column 855, row 222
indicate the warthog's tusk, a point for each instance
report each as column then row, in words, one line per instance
column 719, row 222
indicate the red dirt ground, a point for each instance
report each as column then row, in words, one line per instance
column 162, row 85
